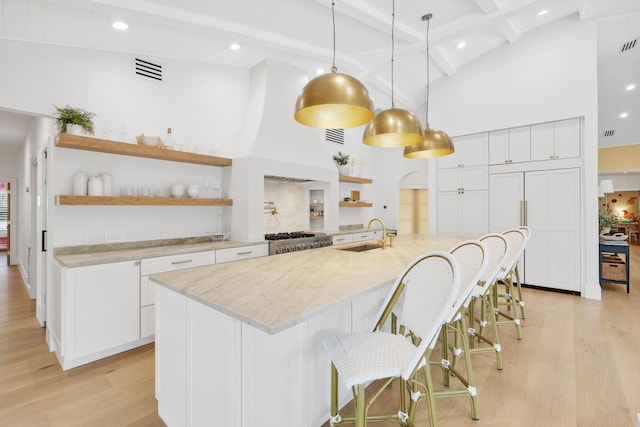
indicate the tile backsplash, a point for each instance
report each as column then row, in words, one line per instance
column 289, row 201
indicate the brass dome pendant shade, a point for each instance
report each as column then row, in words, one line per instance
column 436, row 143
column 334, row 100
column 394, row 127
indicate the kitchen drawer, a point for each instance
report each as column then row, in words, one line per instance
column 147, row 321
column 342, row 239
column 147, row 291
column 240, row 253
column 366, row 235
column 176, row 262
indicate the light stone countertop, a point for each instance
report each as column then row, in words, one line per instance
column 276, row 292
column 78, row 257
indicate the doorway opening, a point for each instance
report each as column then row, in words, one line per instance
column 5, row 217
column 413, row 215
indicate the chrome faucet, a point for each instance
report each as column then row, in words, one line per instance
column 383, row 241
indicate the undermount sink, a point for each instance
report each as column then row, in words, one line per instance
column 362, row 248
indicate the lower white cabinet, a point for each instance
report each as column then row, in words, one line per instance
column 96, row 311
column 463, row 213
column 241, row 252
column 548, row 201
column 342, row 239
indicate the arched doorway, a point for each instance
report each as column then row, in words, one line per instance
column 413, row 212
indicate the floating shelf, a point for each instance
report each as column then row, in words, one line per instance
column 355, row 179
column 355, row 205
column 80, row 142
column 317, row 217
column 140, row 201
column 316, row 204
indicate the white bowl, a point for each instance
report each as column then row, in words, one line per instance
column 177, row 190
column 193, row 192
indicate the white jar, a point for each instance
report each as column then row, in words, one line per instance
column 80, row 184
column 95, row 186
column 193, row 190
column 177, row 190
column 106, row 184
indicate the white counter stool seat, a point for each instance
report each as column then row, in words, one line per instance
column 472, row 257
column 505, row 297
column 498, row 249
column 421, row 297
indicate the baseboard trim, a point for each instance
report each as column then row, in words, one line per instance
column 543, row 288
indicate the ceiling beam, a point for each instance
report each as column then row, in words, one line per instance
column 509, row 31
column 442, row 61
column 488, row 6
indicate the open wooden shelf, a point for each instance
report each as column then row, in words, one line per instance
column 140, row 201
column 354, row 179
column 80, row 142
column 355, row 205
column 317, row 217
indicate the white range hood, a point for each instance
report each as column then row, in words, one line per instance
column 272, row 143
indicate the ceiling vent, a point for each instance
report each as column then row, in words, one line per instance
column 148, row 70
column 608, row 132
column 628, row 45
column 334, row 135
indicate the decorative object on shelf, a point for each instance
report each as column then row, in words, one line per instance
column 334, row 100
column 342, row 161
column 606, row 219
column 80, row 182
column 68, row 116
column 193, row 190
column 149, row 141
column 168, row 140
column 95, row 186
column 394, row 127
column 436, row 143
column 177, row 190
column 107, row 189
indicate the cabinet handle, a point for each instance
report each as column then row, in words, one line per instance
column 244, row 253
column 185, row 261
column 340, row 240
column 364, row 235
column 526, row 212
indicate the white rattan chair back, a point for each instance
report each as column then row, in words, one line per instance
column 517, row 241
column 473, row 258
column 499, row 249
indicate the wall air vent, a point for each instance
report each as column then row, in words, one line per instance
column 608, row 132
column 148, row 70
column 628, row 45
column 377, row 111
column 334, row 135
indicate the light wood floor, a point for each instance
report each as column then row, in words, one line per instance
column 576, row 366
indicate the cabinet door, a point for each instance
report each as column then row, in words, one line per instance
column 240, row 253
column 342, row 239
column 360, row 237
column 474, row 150
column 506, row 201
column 448, row 212
column 103, row 307
column 474, row 218
column 166, row 263
column 542, row 136
column 499, row 147
column 553, row 255
column 474, row 178
column 449, row 180
column 453, row 159
column 567, row 138
column 520, row 144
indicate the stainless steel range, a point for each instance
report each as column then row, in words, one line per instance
column 280, row 243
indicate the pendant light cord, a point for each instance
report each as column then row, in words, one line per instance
column 333, row 19
column 393, row 48
column 428, row 19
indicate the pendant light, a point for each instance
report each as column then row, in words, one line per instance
column 334, row 100
column 436, row 143
column 394, row 127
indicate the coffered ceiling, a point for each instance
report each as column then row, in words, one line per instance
column 298, row 32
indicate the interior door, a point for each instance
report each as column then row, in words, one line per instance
column 8, row 223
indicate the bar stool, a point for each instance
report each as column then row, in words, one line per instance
column 421, row 297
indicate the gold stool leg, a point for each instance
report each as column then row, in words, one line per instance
column 361, row 413
column 520, row 300
column 334, row 394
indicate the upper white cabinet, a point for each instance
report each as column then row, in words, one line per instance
column 510, row 145
column 555, row 140
column 471, row 150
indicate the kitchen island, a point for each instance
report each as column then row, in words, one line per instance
column 239, row 344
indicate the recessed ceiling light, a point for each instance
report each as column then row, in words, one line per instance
column 631, row 86
column 624, row 115
column 320, row 71
column 460, row 45
column 234, row 46
column 120, row 25
column 543, row 12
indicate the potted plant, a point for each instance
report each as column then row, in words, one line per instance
column 606, row 219
column 68, row 116
column 342, row 160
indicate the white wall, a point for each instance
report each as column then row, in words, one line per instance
column 623, row 182
column 547, row 75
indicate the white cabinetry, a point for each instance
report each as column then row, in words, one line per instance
column 555, row 140
column 464, row 213
column 548, row 201
column 510, row 145
column 342, row 239
column 241, row 252
column 471, row 150
column 160, row 265
column 96, row 311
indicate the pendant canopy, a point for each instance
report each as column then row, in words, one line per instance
column 394, row 127
column 435, row 144
column 334, row 101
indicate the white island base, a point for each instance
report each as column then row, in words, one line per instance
column 215, row 370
